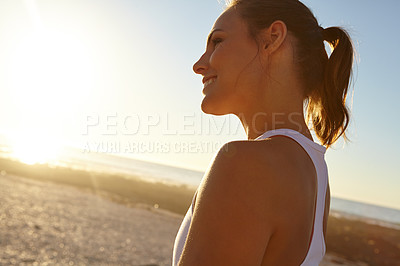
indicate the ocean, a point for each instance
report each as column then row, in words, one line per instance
column 154, row 172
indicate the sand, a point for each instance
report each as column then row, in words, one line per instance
column 49, row 223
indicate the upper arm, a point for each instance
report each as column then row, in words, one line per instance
column 234, row 215
column 327, row 208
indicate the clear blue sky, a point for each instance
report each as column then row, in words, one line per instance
column 69, row 64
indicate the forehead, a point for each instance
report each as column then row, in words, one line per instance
column 230, row 20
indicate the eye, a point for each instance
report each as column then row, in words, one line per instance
column 216, row 41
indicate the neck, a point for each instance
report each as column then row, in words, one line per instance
column 256, row 123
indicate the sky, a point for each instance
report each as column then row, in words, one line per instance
column 116, row 77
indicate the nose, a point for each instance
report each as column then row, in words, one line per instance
column 201, row 65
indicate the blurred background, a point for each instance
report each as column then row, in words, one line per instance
column 101, row 94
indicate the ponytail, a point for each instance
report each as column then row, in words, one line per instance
column 327, row 104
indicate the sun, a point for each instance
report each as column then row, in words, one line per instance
column 50, row 70
column 35, row 148
column 50, row 79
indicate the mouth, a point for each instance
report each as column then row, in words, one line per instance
column 209, row 81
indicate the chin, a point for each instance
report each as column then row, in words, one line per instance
column 213, row 106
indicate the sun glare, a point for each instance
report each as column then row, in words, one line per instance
column 35, row 149
column 50, row 74
column 50, row 77
column 50, row 71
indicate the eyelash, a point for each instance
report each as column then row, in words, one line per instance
column 216, row 41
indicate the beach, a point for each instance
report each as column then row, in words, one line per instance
column 76, row 220
column 50, row 223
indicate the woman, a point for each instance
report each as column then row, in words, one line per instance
column 266, row 201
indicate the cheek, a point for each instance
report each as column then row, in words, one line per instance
column 233, row 61
column 238, row 74
column 225, row 64
column 224, row 57
column 217, row 59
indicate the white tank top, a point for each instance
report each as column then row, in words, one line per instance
column 316, row 152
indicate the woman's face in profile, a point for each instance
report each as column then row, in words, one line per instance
column 232, row 72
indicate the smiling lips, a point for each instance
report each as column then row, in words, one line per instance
column 208, row 81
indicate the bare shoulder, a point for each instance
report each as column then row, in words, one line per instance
column 272, row 174
column 250, row 188
column 265, row 158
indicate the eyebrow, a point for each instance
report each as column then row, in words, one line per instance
column 210, row 35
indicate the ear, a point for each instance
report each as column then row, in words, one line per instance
column 273, row 37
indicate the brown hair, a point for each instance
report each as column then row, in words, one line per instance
column 326, row 79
